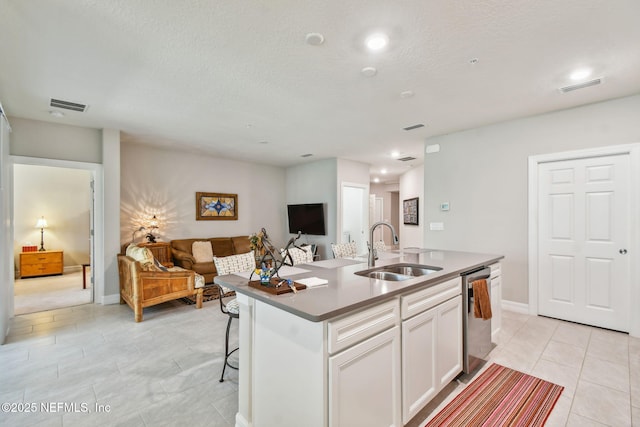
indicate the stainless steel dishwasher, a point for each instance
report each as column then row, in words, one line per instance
column 476, row 332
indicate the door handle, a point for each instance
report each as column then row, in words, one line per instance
column 623, row 251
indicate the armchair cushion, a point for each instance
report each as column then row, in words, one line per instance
column 143, row 255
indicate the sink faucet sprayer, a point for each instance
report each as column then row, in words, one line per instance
column 373, row 256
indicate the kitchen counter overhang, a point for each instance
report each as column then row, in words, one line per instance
column 347, row 291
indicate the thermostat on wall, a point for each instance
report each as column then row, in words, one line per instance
column 444, row 206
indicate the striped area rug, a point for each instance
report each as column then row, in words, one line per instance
column 500, row 397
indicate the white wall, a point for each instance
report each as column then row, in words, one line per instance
column 412, row 185
column 316, row 182
column 33, row 138
column 483, row 174
column 164, row 183
column 6, row 237
column 353, row 174
column 63, row 197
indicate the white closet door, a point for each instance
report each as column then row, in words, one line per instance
column 584, row 230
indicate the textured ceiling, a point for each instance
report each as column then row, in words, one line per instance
column 223, row 77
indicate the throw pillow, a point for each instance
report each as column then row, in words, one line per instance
column 202, row 251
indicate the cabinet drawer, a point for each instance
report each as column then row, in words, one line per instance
column 496, row 269
column 41, row 258
column 346, row 331
column 40, row 269
column 420, row 301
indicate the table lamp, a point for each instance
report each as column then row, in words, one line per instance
column 153, row 226
column 41, row 224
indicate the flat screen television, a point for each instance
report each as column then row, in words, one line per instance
column 306, row 218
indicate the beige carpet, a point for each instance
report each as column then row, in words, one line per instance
column 48, row 293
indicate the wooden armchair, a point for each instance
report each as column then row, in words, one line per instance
column 141, row 289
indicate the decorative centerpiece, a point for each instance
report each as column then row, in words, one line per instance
column 265, row 274
column 255, row 243
column 271, row 260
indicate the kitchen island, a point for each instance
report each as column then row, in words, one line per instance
column 343, row 353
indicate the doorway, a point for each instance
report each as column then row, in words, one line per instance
column 583, row 214
column 355, row 213
column 64, row 198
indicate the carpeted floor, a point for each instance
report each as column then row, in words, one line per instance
column 51, row 292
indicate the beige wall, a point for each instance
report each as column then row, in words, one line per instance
column 33, row 138
column 412, row 185
column 63, row 197
column 164, row 183
column 482, row 173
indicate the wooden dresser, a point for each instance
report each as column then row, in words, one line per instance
column 42, row 263
column 161, row 251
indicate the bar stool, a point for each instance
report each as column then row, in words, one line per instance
column 231, row 309
column 229, row 265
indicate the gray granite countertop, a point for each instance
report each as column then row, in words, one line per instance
column 347, row 291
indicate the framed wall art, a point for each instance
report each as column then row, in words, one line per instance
column 410, row 211
column 216, row 206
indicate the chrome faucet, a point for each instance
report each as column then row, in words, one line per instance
column 373, row 256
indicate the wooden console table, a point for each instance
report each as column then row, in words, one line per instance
column 42, row 263
column 161, row 251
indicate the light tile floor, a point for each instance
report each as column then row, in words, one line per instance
column 164, row 370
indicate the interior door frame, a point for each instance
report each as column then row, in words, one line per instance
column 633, row 150
column 97, row 253
column 365, row 209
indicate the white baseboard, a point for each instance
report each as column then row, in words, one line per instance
column 517, row 307
column 110, row 299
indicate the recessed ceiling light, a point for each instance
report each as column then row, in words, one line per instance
column 369, row 71
column 377, row 41
column 314, row 39
column 383, row 171
column 56, row 113
column 376, row 180
column 395, row 154
column 580, row 74
column 406, row 94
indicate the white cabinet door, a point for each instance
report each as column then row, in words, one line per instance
column 419, row 335
column 449, row 343
column 364, row 383
column 431, row 354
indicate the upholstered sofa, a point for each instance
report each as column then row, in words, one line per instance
column 182, row 252
column 145, row 282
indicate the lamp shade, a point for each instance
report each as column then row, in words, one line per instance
column 42, row 223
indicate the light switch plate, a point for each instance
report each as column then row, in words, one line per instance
column 436, row 226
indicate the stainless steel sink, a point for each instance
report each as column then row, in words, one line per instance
column 410, row 270
column 386, row 275
column 398, row 272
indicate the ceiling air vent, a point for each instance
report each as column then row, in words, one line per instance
column 419, row 125
column 406, row 159
column 581, row 85
column 73, row 106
